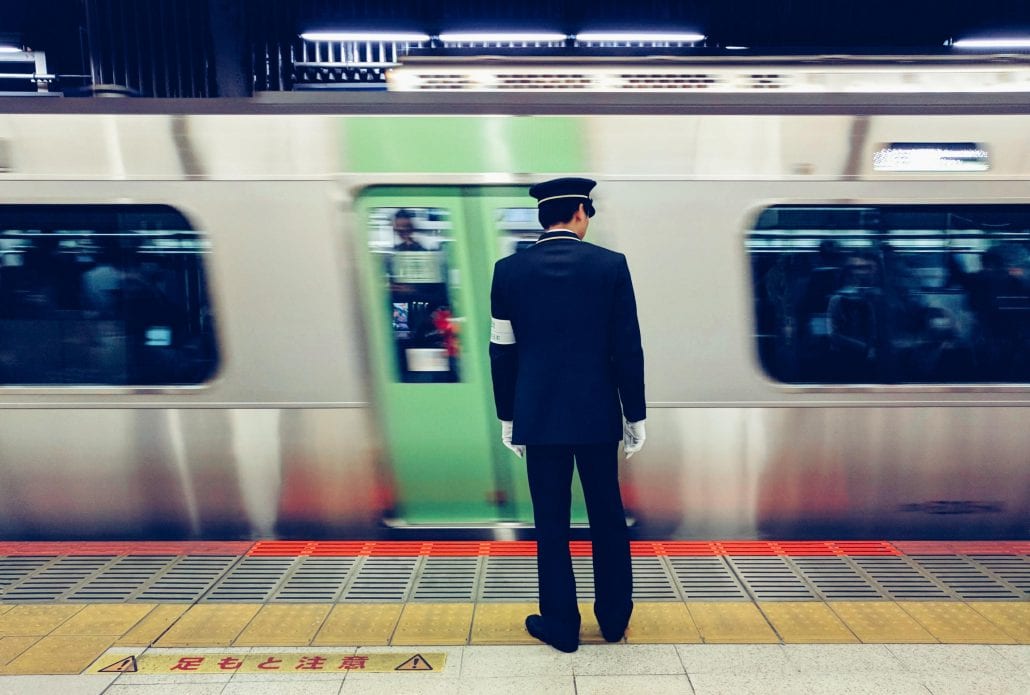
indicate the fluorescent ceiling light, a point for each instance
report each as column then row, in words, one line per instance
column 394, row 36
column 639, row 37
column 1012, row 42
column 7, row 48
column 502, row 37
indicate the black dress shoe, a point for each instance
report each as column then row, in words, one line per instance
column 614, row 630
column 538, row 628
column 613, row 634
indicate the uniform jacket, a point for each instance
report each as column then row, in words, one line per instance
column 573, row 354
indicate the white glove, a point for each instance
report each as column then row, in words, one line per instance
column 633, row 437
column 506, row 427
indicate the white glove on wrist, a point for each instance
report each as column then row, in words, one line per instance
column 506, row 427
column 633, row 437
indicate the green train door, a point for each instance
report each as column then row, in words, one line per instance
column 426, row 274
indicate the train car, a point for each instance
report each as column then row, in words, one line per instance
column 269, row 318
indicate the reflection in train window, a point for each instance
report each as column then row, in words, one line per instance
column 415, row 248
column 519, row 229
column 103, row 295
column 893, row 294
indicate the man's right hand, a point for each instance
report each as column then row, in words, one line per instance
column 506, row 428
column 633, row 437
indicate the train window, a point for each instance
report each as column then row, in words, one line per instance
column 892, row 294
column 519, row 229
column 415, row 246
column 103, row 295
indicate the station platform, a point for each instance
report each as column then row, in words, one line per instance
column 447, row 616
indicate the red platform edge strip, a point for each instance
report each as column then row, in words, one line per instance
column 513, row 548
column 637, row 548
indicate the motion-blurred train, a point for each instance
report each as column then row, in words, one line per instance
column 212, row 327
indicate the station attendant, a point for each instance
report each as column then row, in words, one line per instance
column 568, row 378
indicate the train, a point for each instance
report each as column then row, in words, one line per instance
column 210, row 327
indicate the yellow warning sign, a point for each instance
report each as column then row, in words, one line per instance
column 318, row 660
column 126, row 665
column 415, row 663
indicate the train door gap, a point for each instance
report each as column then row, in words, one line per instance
column 426, row 273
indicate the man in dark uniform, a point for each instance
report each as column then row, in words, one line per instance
column 564, row 352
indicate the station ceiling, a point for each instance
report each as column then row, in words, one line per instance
column 234, row 47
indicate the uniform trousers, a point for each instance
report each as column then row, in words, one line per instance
column 550, row 485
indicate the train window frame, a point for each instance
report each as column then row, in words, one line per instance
column 214, row 334
column 752, row 220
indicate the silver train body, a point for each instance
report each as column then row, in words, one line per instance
column 286, row 438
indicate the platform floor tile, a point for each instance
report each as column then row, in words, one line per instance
column 1013, row 618
column 955, row 623
column 35, row 619
column 359, row 623
column 327, row 687
column 434, row 623
column 668, row 684
column 56, row 685
column 502, row 623
column 731, row 623
column 806, row 622
column 209, row 625
column 524, row 685
column 59, row 655
column 976, row 684
column 192, row 689
column 662, row 623
column 746, row 683
column 284, row 625
column 769, row 659
column 628, row 659
column 10, row 647
column 157, row 621
column 880, row 622
column 944, row 659
column 104, row 619
column 844, row 658
column 529, row 660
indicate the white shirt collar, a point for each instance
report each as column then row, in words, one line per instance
column 553, row 231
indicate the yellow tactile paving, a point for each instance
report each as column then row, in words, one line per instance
column 736, row 622
column 662, row 623
column 153, row 625
column 35, row 620
column 61, row 638
column 355, row 624
column 589, row 630
column 806, row 622
column 433, row 623
column 502, row 623
column 104, row 619
column 1011, row 616
column 10, row 647
column 58, row 655
column 284, row 625
column 955, row 623
column 209, row 625
column 880, row 622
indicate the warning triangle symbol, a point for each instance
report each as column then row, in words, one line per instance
column 415, row 663
column 126, row 665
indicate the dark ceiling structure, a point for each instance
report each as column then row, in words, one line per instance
column 209, row 48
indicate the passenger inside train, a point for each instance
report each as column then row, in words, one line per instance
column 895, row 296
